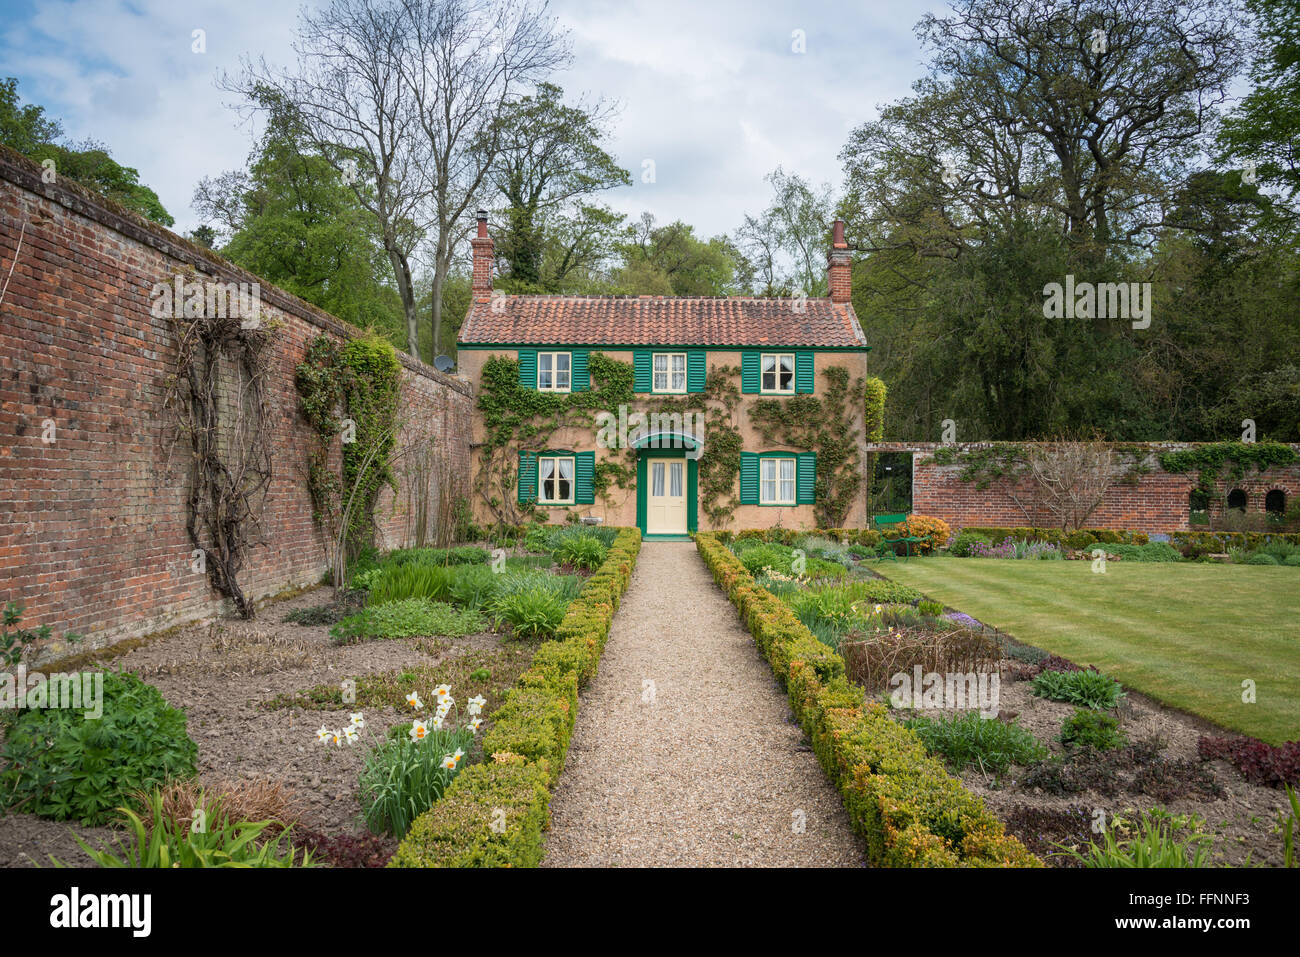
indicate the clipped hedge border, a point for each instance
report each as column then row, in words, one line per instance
column 1079, row 538
column 908, row 808
column 495, row 814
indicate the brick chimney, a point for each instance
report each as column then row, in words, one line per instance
column 482, row 243
column 839, row 266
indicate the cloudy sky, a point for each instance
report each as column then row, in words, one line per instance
column 710, row 90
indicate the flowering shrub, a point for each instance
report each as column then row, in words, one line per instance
column 1014, row 548
column 933, row 532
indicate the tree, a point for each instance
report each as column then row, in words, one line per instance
column 465, row 63
column 1068, row 481
column 28, row 130
column 785, row 246
column 293, row 221
column 1084, row 112
column 670, row 261
column 1264, row 129
column 351, row 101
column 549, row 159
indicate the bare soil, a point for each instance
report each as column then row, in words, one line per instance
column 1243, row 819
column 227, row 676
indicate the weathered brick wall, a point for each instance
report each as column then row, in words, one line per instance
column 1156, row 502
column 92, row 525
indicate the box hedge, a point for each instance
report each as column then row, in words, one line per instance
column 494, row 814
column 909, row 810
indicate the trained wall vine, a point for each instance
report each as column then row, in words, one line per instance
column 1233, row 458
column 219, row 399
column 826, row 425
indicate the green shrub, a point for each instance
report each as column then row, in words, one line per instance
column 1261, row 558
column 473, row 586
column 1090, row 689
column 932, row 608
column 1292, row 560
column 884, row 592
column 60, row 764
column 987, row 743
column 168, row 843
column 1154, row 844
column 408, row 618
column 532, row 612
column 961, row 545
column 400, row 582
column 403, row 778
column 581, row 551
column 1087, row 728
column 459, row 555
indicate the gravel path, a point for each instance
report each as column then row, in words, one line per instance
column 703, row 767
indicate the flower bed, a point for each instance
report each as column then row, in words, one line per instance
column 494, row 814
column 910, row 811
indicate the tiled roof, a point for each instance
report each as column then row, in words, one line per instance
column 660, row 320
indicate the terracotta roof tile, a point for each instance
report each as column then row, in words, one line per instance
column 660, row 320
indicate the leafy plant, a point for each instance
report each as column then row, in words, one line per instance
column 581, row 551
column 14, row 641
column 403, row 778
column 1289, row 828
column 400, row 582
column 168, row 842
column 967, row 739
column 532, row 612
column 62, row 765
column 407, row 618
column 932, row 608
column 1091, row 689
column 1093, row 729
column 963, row 545
column 1153, row 842
column 1259, row 763
column 474, row 586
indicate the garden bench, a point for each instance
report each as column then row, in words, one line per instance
column 896, row 526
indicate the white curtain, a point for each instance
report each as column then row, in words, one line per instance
column 787, row 480
column 675, row 479
column 657, row 478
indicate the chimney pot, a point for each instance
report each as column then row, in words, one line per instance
column 483, row 247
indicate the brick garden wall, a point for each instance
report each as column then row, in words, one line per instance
column 92, row 525
column 1158, row 502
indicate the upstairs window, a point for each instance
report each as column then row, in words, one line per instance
column 554, row 371
column 777, row 372
column 669, row 372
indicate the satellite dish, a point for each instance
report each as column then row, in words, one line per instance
column 444, row 363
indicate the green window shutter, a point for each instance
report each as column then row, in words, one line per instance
column 579, row 377
column 528, row 368
column 641, row 380
column 695, row 372
column 803, row 372
column 748, row 478
column 584, row 472
column 527, row 477
column 749, row 380
column 806, row 478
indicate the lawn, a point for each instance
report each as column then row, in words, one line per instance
column 1188, row 634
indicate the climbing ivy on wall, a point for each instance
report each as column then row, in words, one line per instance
column 827, row 425
column 1233, row 458
column 350, row 390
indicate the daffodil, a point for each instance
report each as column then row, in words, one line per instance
column 338, row 738
column 443, row 691
column 357, row 720
column 323, row 734
column 419, row 730
column 438, row 719
column 475, row 724
column 879, row 609
column 475, row 704
column 413, row 699
column 350, row 733
column 449, row 762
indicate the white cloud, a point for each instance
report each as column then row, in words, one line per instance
column 710, row 91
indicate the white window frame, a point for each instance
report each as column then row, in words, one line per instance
column 668, row 390
column 777, row 480
column 553, row 387
column 776, row 373
column 541, row 482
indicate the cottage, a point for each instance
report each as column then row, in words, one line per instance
column 669, row 413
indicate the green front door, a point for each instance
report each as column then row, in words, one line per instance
column 666, row 492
